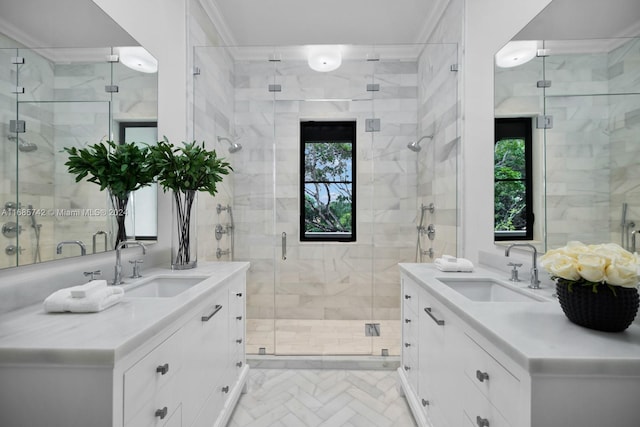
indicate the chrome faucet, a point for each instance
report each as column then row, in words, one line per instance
column 117, row 279
column 83, row 248
column 535, row 283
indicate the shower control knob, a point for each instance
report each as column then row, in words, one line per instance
column 13, row 249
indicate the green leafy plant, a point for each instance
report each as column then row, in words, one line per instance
column 185, row 170
column 188, row 167
column 120, row 168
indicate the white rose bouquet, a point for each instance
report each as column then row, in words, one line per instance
column 592, row 265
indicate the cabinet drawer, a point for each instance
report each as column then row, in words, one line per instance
column 144, row 379
column 162, row 410
column 492, row 380
column 478, row 410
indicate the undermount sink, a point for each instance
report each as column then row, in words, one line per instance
column 161, row 286
column 488, row 290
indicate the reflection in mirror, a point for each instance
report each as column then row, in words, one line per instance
column 51, row 99
column 583, row 97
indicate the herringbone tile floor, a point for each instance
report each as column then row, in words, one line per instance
column 321, row 398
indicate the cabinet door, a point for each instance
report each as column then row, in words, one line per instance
column 440, row 373
column 432, row 358
column 206, row 337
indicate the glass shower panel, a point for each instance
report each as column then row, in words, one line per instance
column 591, row 164
column 9, row 153
column 322, row 289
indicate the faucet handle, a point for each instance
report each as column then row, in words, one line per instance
column 93, row 274
column 514, row 271
column 136, row 268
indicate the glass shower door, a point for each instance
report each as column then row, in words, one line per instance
column 323, row 289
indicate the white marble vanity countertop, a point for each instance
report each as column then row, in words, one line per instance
column 30, row 335
column 536, row 335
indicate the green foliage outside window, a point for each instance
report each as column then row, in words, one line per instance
column 328, row 187
column 510, row 186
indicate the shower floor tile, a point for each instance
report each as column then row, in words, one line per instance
column 326, row 398
column 321, row 337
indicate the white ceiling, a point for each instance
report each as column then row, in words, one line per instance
column 300, row 22
column 60, row 24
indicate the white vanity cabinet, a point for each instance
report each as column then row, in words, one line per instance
column 429, row 355
column 459, row 382
column 187, row 371
column 513, row 364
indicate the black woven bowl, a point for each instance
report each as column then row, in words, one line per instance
column 602, row 311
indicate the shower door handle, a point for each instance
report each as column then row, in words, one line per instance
column 284, row 246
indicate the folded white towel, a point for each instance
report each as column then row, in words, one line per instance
column 83, row 291
column 98, row 300
column 449, row 258
column 457, row 264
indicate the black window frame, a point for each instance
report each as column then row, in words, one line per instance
column 122, row 131
column 338, row 131
column 518, row 128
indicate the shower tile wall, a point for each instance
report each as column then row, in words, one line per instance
column 624, row 125
column 79, row 116
column 438, row 113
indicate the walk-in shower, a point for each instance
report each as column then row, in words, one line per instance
column 326, row 297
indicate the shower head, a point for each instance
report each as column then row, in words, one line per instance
column 24, row 146
column 234, row 146
column 415, row 145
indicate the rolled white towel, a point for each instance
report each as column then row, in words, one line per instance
column 62, row 301
column 83, row 291
column 459, row 265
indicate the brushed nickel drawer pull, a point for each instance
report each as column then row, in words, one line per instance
column 482, row 376
column 482, row 422
column 163, row 369
column 161, row 413
column 207, row 318
column 439, row 322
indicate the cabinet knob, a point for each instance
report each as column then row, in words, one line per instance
column 407, row 320
column 161, row 413
column 238, row 317
column 482, row 376
column 225, row 389
column 163, row 369
column 239, row 340
column 407, row 368
column 239, row 364
column 239, row 294
column 407, row 297
column 407, row 344
column 482, row 422
column 425, row 402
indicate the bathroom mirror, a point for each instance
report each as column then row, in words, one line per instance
column 58, row 90
column 582, row 100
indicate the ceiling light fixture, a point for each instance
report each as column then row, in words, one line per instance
column 516, row 53
column 137, row 58
column 324, row 58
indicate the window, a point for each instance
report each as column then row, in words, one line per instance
column 142, row 213
column 327, row 199
column 513, row 191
